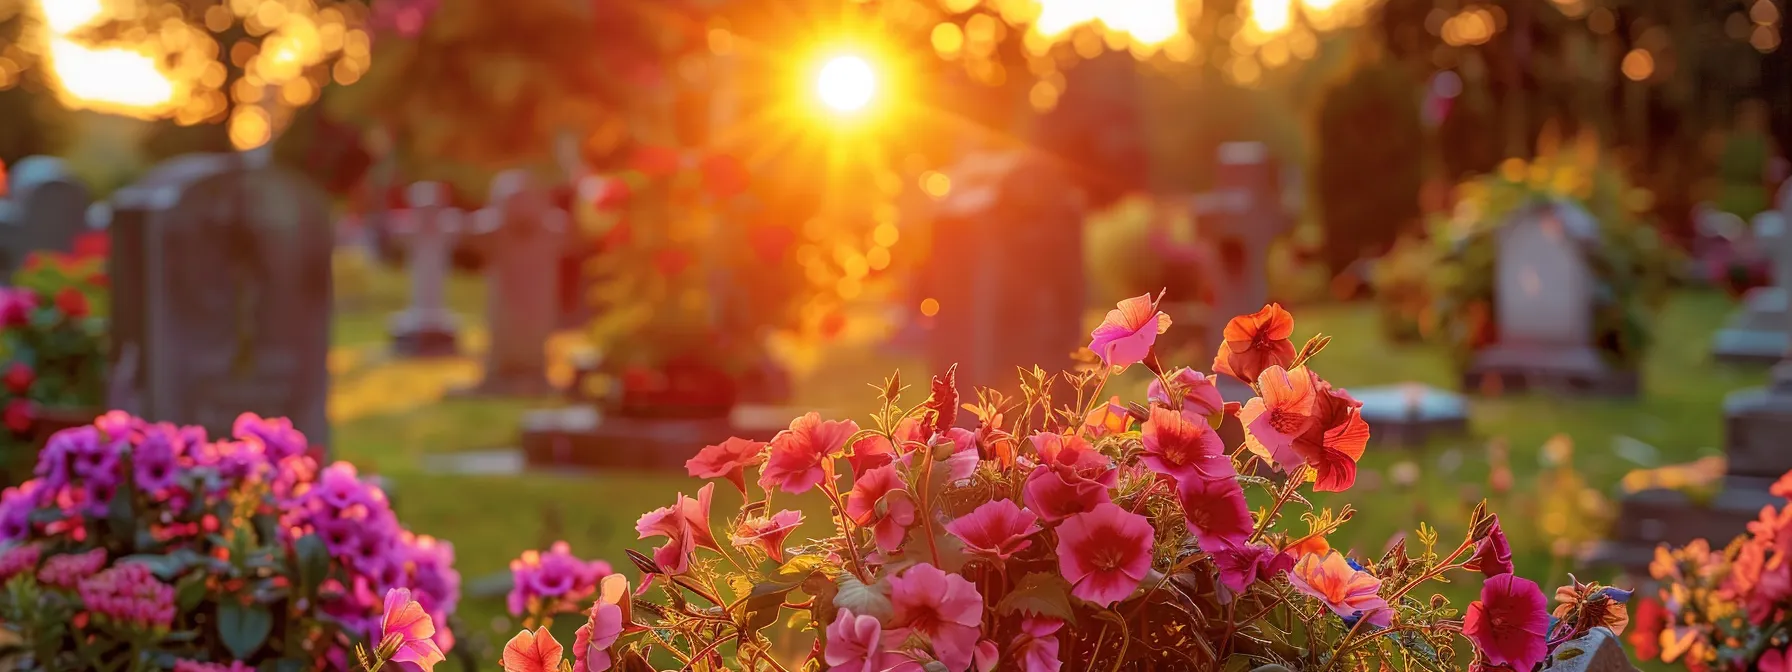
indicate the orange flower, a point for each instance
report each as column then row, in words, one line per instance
column 1347, row 591
column 1256, row 342
column 532, row 652
column 1109, row 418
column 1313, row 546
column 1337, row 439
column 1285, row 411
column 1586, row 605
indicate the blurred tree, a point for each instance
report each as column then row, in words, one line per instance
column 1370, row 159
column 34, row 123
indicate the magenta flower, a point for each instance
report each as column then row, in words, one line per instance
column 728, row 459
column 1510, row 622
column 19, row 559
column 1243, row 565
column 1493, row 555
column 1126, row 336
column 1039, row 651
column 591, row 646
column 277, row 435
column 129, row 595
column 1072, row 478
column 685, row 525
column 999, row 529
column 1184, row 448
column 985, row 657
column 880, row 500
column 795, row 462
column 855, row 644
column 1200, row 395
column 552, row 582
column 67, row 571
column 405, row 623
column 1104, row 553
column 944, row 608
column 1349, row 592
column 768, row 533
column 1215, row 511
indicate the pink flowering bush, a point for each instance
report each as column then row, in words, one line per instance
column 1065, row 530
column 146, row 546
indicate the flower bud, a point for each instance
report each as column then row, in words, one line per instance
column 1439, row 601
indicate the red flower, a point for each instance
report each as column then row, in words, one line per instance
column 795, row 462
column 16, row 306
column 1510, row 621
column 93, row 245
column 1493, row 555
column 1649, row 621
column 1215, row 511
column 685, row 525
column 19, row 377
column 20, row 413
column 1349, row 592
column 1104, row 553
column 944, row 608
column 728, row 459
column 999, row 528
column 1184, row 448
column 72, row 302
column 1256, row 342
column 768, row 533
column 1200, row 395
column 1302, row 419
column 875, row 451
column 723, row 176
column 878, row 500
column 1775, row 660
column 608, row 194
column 656, row 162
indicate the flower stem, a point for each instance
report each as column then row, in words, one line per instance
column 832, row 491
column 1297, row 477
column 925, row 513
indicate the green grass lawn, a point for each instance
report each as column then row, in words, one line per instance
column 491, row 519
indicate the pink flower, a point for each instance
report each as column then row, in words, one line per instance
column 1347, row 591
column 18, row 559
column 944, row 608
column 999, row 528
column 728, row 459
column 795, row 462
column 129, row 594
column 1126, row 336
column 66, row 571
column 1510, row 621
column 685, row 525
column 532, row 652
column 1775, row 660
column 1493, row 555
column 768, row 533
column 552, row 582
column 889, row 525
column 1285, row 411
column 591, row 645
column 1184, row 448
column 1072, row 477
column 875, row 451
column 1199, row 395
column 1039, row 652
column 855, row 644
column 1243, row 565
column 1104, row 553
column 405, row 621
column 986, row 656
column 1215, row 511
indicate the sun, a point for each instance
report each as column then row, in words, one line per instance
column 846, row 83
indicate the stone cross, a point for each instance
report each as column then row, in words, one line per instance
column 430, row 228
column 1240, row 219
column 524, row 234
column 47, row 210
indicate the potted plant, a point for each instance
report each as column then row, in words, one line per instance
column 52, row 336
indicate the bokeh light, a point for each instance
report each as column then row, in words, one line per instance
column 846, row 83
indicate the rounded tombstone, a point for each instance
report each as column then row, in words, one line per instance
column 47, row 210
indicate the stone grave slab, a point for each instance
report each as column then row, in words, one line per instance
column 46, row 210
column 1600, row 650
column 581, row 437
column 525, row 234
column 1756, row 334
column 1409, row 414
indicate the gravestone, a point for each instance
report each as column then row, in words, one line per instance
column 428, row 230
column 45, row 210
column 1409, row 414
column 221, row 295
column 1239, row 219
column 1756, row 334
column 1007, row 270
column 1543, row 306
column 524, row 235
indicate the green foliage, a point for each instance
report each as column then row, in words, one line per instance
column 1368, row 171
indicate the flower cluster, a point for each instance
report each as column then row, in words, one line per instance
column 1070, row 535
column 125, row 514
column 51, row 329
column 544, row 584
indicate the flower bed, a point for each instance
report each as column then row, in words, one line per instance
column 52, row 354
column 1058, row 534
column 144, row 546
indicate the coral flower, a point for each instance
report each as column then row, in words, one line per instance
column 1256, row 342
column 1336, row 440
column 592, row 642
column 532, row 652
column 890, row 521
column 795, row 462
column 1184, row 448
column 405, row 621
column 1104, row 553
column 1215, row 511
column 1108, row 419
column 875, row 451
column 685, row 525
column 1286, row 410
column 768, row 533
column 944, row 608
column 1509, row 624
column 728, row 459
column 1039, row 653
column 1240, row 566
column 1585, row 606
column 855, row 644
column 1493, row 555
column 1126, row 336
column 999, row 528
column 1349, row 592
column 1199, row 395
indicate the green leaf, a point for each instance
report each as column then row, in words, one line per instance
column 862, row 599
column 314, row 562
column 189, row 592
column 762, row 606
column 798, row 568
column 1040, row 594
column 121, row 516
column 243, row 627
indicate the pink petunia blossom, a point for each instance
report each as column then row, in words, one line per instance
column 685, row 525
column 946, row 609
column 1104, row 553
column 1072, row 477
column 1216, row 512
column 1125, row 337
column 986, row 656
column 794, row 464
column 405, row 621
column 1775, row 660
column 1243, row 565
column 1184, row 448
column 728, row 459
column 889, row 522
column 592, row 642
column 1286, row 409
column 1510, row 622
column 1349, row 592
column 855, row 643
column 555, row 581
column 875, row 451
column 998, row 528
column 532, row 652
column 1493, row 554
column 1039, row 651
column 1199, row 395
column 768, row 534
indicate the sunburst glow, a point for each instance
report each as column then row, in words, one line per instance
column 846, row 83
column 1147, row 21
column 110, row 78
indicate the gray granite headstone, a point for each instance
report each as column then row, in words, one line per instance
column 221, row 295
column 524, row 234
column 45, row 210
column 1599, row 650
column 429, row 230
column 1240, row 218
column 1756, row 334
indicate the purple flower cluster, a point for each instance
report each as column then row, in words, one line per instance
column 68, row 570
column 552, row 582
column 18, row 559
column 129, row 594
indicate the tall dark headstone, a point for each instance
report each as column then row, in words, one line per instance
column 524, row 233
column 221, row 295
column 46, row 209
